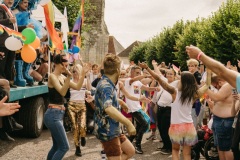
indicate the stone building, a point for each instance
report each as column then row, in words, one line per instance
column 97, row 42
column 125, row 53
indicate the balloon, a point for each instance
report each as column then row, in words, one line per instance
column 29, row 34
column 76, row 56
column 65, row 46
column 28, row 54
column 70, row 51
column 36, row 43
column 13, row 44
column 44, row 2
column 75, row 49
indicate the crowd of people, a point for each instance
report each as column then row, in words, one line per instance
column 126, row 102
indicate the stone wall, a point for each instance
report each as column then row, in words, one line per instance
column 96, row 41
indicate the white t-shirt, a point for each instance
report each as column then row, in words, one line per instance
column 78, row 95
column 135, row 90
column 181, row 113
column 166, row 98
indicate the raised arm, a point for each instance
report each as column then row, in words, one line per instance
column 205, row 87
column 54, row 81
column 77, row 86
column 131, row 97
column 164, row 84
column 217, row 67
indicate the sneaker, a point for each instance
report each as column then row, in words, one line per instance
column 160, row 148
column 139, row 150
column 151, row 137
column 154, row 137
column 166, row 151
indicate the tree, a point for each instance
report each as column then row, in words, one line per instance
column 73, row 6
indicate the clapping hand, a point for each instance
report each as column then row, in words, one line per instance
column 143, row 65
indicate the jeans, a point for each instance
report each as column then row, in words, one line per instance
column 141, row 126
column 53, row 119
column 222, row 132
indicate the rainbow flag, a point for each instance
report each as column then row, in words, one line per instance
column 56, row 42
column 78, row 24
column 175, row 68
column 1, row 30
column 12, row 32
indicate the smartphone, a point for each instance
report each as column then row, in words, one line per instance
column 234, row 91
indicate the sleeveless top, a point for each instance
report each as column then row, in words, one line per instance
column 181, row 113
column 55, row 97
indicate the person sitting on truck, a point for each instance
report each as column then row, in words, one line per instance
column 39, row 68
column 58, row 85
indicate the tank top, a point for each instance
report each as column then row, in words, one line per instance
column 55, row 97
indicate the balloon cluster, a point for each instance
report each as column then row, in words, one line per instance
column 28, row 46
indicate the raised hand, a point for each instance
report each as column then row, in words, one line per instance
column 154, row 62
column 143, row 65
column 192, row 51
column 86, row 67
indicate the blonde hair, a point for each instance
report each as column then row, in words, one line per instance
column 77, row 68
column 192, row 62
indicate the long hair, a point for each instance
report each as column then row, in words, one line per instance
column 189, row 87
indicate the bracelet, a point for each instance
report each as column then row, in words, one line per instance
column 199, row 55
column 147, row 67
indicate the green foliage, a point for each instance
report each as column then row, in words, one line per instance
column 73, row 8
column 138, row 53
column 218, row 36
column 191, row 35
column 222, row 42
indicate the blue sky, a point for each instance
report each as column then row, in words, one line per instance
column 130, row 20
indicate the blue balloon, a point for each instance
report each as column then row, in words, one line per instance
column 70, row 51
column 75, row 49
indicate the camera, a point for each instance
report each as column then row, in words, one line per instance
column 234, row 91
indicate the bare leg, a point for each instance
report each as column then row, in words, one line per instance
column 187, row 152
column 175, row 151
column 228, row 155
column 128, row 150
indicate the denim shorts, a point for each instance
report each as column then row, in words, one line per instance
column 222, row 132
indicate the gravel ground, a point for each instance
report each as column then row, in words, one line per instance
column 37, row 149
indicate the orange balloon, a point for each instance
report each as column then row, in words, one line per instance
column 36, row 43
column 28, row 53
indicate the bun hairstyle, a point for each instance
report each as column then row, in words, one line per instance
column 111, row 64
column 58, row 59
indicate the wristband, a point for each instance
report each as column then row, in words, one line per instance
column 199, row 55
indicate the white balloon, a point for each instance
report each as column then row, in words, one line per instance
column 13, row 44
column 44, row 2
